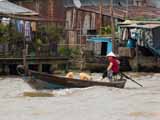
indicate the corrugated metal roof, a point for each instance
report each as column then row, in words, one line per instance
column 124, row 3
column 7, row 7
column 129, row 22
column 143, row 12
column 118, row 13
column 155, row 3
column 69, row 3
column 147, row 26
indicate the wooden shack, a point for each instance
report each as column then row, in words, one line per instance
column 22, row 28
column 84, row 21
column 140, row 43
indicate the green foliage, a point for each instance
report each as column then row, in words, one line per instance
column 14, row 35
column 142, row 18
column 9, row 33
column 49, row 33
column 54, row 33
column 126, row 18
column 75, row 51
column 106, row 30
column 69, row 52
column 4, row 34
column 38, row 42
column 65, row 51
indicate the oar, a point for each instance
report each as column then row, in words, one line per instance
column 130, row 79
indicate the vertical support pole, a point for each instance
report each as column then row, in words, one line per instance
column 66, row 67
column 40, row 68
column 3, row 69
column 100, row 16
column 112, row 27
column 127, row 9
column 37, row 6
column 137, row 61
column 80, row 32
column 81, row 51
column 25, row 59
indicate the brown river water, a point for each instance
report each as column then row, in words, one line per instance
column 18, row 101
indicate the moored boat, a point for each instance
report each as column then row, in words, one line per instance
column 53, row 81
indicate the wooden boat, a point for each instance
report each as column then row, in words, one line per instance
column 63, row 82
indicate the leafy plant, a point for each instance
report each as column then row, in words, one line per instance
column 141, row 18
column 54, row 33
column 106, row 30
column 38, row 42
column 69, row 52
column 48, row 34
column 15, row 36
column 4, row 33
column 75, row 52
column 65, row 51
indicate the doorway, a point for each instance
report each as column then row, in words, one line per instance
column 104, row 48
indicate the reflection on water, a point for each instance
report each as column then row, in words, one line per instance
column 37, row 94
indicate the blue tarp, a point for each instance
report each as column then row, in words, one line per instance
column 101, row 40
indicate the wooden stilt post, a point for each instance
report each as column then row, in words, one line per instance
column 100, row 14
column 40, row 67
column 81, row 52
column 25, row 59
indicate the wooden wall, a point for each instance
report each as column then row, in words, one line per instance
column 79, row 21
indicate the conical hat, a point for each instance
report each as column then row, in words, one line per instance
column 111, row 54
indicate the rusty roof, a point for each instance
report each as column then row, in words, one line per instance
column 70, row 3
column 146, row 12
column 120, row 12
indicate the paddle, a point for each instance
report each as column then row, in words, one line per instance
column 122, row 74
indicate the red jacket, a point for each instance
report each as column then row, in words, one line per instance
column 115, row 66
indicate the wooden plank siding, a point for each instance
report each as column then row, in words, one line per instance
column 78, row 20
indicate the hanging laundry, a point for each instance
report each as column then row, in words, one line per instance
column 20, row 25
column 13, row 22
column 34, row 26
column 5, row 21
column 27, row 31
column 125, row 34
column 12, row 25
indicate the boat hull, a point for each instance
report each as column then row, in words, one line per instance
column 60, row 82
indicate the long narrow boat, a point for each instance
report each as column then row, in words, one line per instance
column 57, row 81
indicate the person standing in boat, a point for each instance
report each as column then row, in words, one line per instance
column 113, row 67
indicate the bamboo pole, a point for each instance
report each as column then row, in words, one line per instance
column 100, row 15
column 112, row 27
column 81, row 51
